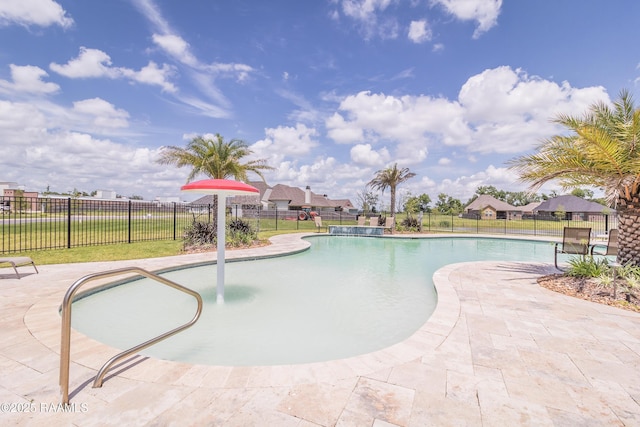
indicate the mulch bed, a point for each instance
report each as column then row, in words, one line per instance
column 589, row 290
column 212, row 248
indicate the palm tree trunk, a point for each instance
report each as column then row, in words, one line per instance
column 629, row 231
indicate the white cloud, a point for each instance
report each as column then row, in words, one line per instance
column 306, row 111
column 419, row 31
column 28, row 79
column 410, row 123
column 42, row 13
column 240, row 71
column 38, row 140
column 153, row 75
column 367, row 14
column 509, row 110
column 177, row 47
column 343, row 132
column 363, row 154
column 444, row 161
column 104, row 115
column 285, row 141
column 484, row 12
column 498, row 111
column 202, row 75
column 94, row 63
column 464, row 187
column 89, row 63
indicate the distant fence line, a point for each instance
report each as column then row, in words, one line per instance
column 28, row 224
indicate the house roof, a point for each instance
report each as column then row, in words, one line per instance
column 529, row 207
column 294, row 196
column 570, row 203
column 485, row 200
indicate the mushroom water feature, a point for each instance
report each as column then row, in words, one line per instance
column 221, row 188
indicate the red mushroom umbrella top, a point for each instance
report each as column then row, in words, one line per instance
column 219, row 186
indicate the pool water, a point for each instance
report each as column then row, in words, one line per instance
column 343, row 297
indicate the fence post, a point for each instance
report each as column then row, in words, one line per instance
column 129, row 224
column 259, row 215
column 175, row 220
column 68, row 222
column 276, row 218
column 452, row 222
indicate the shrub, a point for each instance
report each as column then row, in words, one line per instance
column 587, row 267
column 240, row 233
column 410, row 223
column 200, row 234
column 203, row 234
column 631, row 274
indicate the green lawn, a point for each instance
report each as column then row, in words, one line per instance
column 18, row 239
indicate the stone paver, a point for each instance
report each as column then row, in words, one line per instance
column 499, row 350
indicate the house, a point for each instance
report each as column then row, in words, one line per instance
column 527, row 210
column 15, row 198
column 488, row 207
column 573, row 208
column 282, row 198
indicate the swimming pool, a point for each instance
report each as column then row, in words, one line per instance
column 343, row 297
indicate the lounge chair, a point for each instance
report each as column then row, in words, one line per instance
column 362, row 221
column 575, row 241
column 318, row 221
column 373, row 221
column 17, row 262
column 612, row 245
column 389, row 223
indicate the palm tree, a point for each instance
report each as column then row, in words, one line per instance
column 215, row 158
column 390, row 178
column 601, row 150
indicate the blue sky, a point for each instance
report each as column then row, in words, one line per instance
column 328, row 91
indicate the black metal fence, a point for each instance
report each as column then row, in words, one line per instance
column 49, row 223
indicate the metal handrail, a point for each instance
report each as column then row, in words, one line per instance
column 65, row 346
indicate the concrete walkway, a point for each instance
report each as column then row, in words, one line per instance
column 498, row 351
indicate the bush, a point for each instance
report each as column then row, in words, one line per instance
column 240, row 233
column 410, row 223
column 201, row 234
column 587, row 267
column 205, row 235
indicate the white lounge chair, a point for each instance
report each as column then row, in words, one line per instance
column 318, row 221
column 611, row 248
column 17, row 262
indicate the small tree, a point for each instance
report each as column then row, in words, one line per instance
column 368, row 200
column 602, row 150
column 390, row 178
column 215, row 158
column 448, row 205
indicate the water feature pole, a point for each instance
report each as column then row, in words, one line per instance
column 220, row 188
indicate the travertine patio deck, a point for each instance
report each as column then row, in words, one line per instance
column 499, row 350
